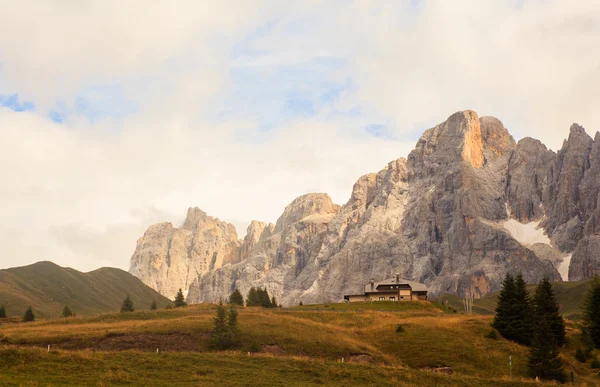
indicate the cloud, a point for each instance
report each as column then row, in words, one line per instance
column 136, row 112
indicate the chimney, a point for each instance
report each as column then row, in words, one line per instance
column 397, row 278
column 372, row 284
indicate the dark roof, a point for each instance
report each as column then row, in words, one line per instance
column 415, row 286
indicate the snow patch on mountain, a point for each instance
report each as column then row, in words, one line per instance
column 527, row 234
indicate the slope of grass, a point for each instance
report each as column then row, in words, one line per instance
column 48, row 288
column 570, row 296
column 429, row 339
column 58, row 368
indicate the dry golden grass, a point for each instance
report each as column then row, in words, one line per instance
column 429, row 339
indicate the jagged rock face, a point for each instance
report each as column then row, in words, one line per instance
column 529, row 167
column 442, row 217
column 169, row 258
column 278, row 258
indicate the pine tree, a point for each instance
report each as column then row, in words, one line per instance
column 220, row 330
column 544, row 360
column 2, row 311
column 153, row 305
column 253, row 299
column 522, row 320
column 545, row 305
column 127, row 305
column 265, row 300
column 236, row 298
column 273, row 302
column 591, row 311
column 67, row 312
column 179, row 299
column 28, row 316
column 232, row 328
column 506, row 299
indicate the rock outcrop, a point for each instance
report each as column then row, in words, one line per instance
column 467, row 205
column 169, row 258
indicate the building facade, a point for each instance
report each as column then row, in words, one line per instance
column 393, row 289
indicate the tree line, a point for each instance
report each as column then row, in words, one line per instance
column 536, row 322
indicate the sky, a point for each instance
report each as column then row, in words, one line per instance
column 115, row 115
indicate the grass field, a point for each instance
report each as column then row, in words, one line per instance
column 570, row 296
column 290, row 346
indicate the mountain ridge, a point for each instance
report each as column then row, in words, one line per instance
column 48, row 287
column 435, row 217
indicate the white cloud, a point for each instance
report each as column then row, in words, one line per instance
column 81, row 193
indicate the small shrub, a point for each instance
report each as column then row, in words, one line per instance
column 492, row 335
column 580, row 356
column 399, row 329
column 28, row 316
column 300, row 303
column 595, row 364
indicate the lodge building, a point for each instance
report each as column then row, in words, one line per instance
column 393, row 289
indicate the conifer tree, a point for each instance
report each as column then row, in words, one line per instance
column 127, row 305
column 232, row 328
column 236, row 298
column 544, row 360
column 253, row 298
column 220, row 330
column 179, row 299
column 2, row 311
column 67, row 312
column 502, row 319
column 265, row 300
column 591, row 311
column 273, row 302
column 28, row 316
column 522, row 321
column 545, row 305
column 153, row 305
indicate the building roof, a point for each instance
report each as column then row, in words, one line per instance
column 415, row 286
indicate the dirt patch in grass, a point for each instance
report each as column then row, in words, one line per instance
column 273, row 350
column 145, row 342
column 361, row 358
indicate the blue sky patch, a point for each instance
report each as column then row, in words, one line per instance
column 13, row 102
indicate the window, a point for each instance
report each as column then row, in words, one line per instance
column 392, row 298
column 402, row 297
column 381, row 298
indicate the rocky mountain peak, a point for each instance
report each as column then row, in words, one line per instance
column 304, row 206
column 466, row 207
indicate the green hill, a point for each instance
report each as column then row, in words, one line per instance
column 570, row 298
column 48, row 287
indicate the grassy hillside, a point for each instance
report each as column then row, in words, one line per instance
column 570, row 297
column 48, row 288
column 290, row 346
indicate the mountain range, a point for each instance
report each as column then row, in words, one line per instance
column 466, row 206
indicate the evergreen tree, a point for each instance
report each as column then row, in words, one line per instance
column 506, row 299
column 544, row 360
column 545, row 305
column 179, row 299
column 2, row 311
column 591, row 311
column 265, row 300
column 153, row 305
column 232, row 328
column 253, row 298
column 127, row 305
column 28, row 316
column 273, row 302
column 67, row 312
column 220, row 330
column 236, row 298
column 522, row 320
